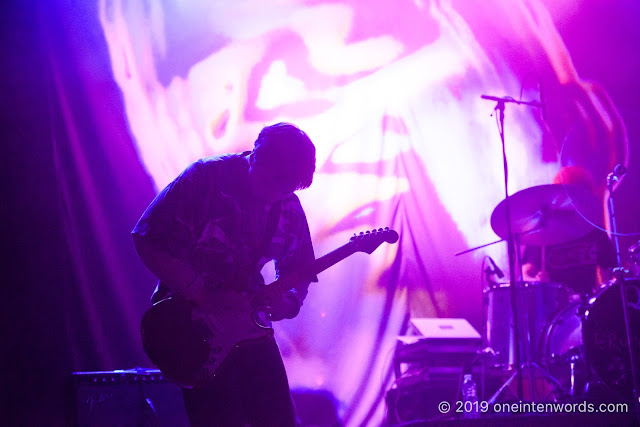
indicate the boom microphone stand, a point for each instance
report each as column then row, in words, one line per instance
column 500, row 107
column 511, row 245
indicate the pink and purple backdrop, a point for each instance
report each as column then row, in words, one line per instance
column 390, row 94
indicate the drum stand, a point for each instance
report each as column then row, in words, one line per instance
column 583, row 311
column 619, row 277
column 530, row 366
column 574, row 357
column 500, row 107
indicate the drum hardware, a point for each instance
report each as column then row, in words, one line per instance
column 620, row 276
column 546, row 215
column 583, row 312
column 542, row 216
column 576, row 354
column 634, row 256
column 466, row 251
column 574, row 357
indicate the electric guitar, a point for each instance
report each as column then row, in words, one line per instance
column 189, row 345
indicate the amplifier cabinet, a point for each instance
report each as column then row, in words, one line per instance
column 418, row 401
column 137, row 397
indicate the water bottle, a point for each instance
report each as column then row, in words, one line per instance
column 470, row 397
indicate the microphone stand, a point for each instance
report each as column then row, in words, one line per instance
column 500, row 107
column 511, row 249
column 619, row 276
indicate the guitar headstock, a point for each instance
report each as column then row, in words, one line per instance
column 368, row 241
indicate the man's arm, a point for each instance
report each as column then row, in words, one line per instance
column 290, row 288
column 164, row 234
column 175, row 273
column 185, row 281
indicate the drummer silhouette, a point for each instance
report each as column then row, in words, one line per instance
column 581, row 264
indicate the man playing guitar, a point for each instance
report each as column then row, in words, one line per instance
column 206, row 237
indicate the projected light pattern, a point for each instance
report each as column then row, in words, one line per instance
column 390, row 94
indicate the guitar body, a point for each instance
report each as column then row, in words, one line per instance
column 189, row 345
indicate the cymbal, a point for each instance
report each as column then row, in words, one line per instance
column 547, row 214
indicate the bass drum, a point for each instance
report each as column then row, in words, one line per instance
column 603, row 341
column 605, row 338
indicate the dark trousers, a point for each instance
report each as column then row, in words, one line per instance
column 251, row 387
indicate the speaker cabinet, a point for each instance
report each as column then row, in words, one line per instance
column 140, row 397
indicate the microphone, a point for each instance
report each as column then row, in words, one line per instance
column 496, row 270
column 619, row 170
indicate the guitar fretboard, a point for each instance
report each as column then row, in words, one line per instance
column 332, row 258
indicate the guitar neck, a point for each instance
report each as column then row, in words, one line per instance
column 332, row 258
column 364, row 242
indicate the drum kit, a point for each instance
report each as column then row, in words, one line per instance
column 535, row 327
column 572, row 341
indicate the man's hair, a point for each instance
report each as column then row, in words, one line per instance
column 290, row 149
